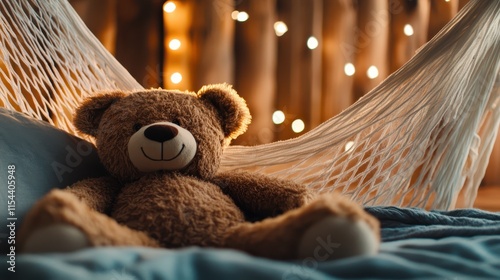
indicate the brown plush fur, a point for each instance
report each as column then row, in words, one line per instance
column 266, row 238
column 194, row 205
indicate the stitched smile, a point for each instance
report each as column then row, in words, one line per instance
column 170, row 159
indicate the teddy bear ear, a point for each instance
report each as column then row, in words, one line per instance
column 88, row 115
column 233, row 111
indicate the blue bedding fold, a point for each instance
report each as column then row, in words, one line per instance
column 402, row 223
column 461, row 244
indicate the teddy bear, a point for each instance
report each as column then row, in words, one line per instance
column 162, row 149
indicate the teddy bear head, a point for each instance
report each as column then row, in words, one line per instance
column 163, row 130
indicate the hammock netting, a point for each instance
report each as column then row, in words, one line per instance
column 420, row 138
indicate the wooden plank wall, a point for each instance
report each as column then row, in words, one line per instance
column 255, row 73
column 280, row 72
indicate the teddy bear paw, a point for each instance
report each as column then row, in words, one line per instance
column 55, row 238
column 335, row 238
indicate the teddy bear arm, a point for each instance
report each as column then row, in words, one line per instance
column 97, row 193
column 262, row 196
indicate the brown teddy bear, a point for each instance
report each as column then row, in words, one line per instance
column 162, row 149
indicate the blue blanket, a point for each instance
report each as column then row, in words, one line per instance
column 461, row 244
column 403, row 223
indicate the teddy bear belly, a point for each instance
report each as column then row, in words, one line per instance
column 177, row 210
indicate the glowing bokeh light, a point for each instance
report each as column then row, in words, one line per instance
column 280, row 28
column 278, row 117
column 174, row 44
column 242, row 16
column 298, row 126
column 176, row 77
column 312, row 43
column 169, row 7
column 348, row 146
column 372, row 72
column 349, row 69
column 408, row 30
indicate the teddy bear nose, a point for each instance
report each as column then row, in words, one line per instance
column 160, row 132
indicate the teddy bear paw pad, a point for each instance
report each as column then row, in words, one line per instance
column 335, row 238
column 55, row 238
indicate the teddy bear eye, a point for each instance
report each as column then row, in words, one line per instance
column 136, row 127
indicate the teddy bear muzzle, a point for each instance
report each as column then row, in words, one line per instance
column 161, row 146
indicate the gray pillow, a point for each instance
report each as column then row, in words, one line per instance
column 39, row 157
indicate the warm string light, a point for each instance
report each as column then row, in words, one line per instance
column 176, row 77
column 372, row 72
column 298, row 126
column 240, row 16
column 349, row 146
column 408, row 30
column 280, row 28
column 169, row 7
column 349, row 69
column 234, row 15
column 278, row 117
column 312, row 43
column 176, row 74
column 174, row 44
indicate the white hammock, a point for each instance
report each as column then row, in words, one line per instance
column 417, row 139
